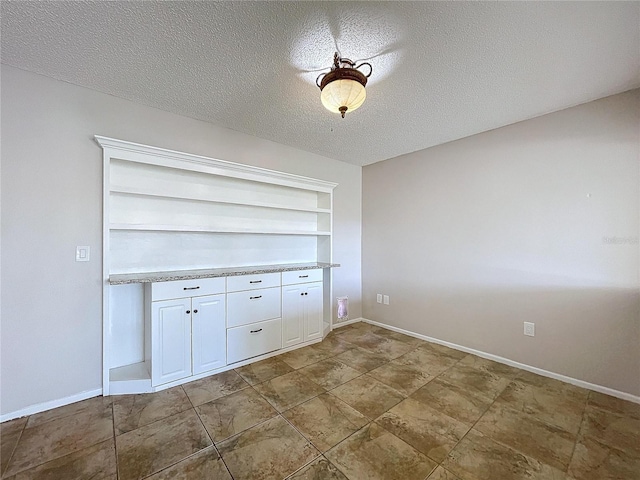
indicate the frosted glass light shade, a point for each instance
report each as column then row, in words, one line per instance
column 343, row 93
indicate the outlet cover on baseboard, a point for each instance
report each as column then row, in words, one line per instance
column 530, row 329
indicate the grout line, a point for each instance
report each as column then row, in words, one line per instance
column 113, row 430
column 15, row 447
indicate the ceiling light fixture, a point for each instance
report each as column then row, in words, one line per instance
column 343, row 86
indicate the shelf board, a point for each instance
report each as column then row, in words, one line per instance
column 192, row 228
column 150, row 193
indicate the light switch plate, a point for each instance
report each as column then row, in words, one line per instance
column 379, row 298
column 385, row 299
column 83, row 253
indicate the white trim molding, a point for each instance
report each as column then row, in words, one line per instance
column 545, row 373
column 60, row 402
column 347, row 322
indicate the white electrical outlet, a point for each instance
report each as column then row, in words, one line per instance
column 530, row 329
column 379, row 298
column 385, row 299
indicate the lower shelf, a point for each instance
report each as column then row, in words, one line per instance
column 134, row 378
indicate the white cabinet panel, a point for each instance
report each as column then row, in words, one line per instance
column 208, row 337
column 313, row 311
column 301, row 313
column 187, row 288
column 252, row 306
column 301, row 276
column 251, row 340
column 292, row 315
column 251, row 282
column 170, row 340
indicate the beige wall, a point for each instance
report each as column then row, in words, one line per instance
column 472, row 238
column 51, row 201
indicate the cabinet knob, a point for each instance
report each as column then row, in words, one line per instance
column 302, row 294
column 195, row 311
column 188, row 311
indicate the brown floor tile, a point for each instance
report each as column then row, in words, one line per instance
column 232, row 414
column 401, row 337
column 441, row 473
column 525, row 433
column 329, row 373
column 264, row 370
column 333, row 345
column 319, row 469
column 360, row 359
column 95, row 405
column 452, row 400
column 479, row 457
column 548, row 404
column 60, row 436
column 614, row 405
column 614, row 430
column 364, row 339
column 10, row 433
column 96, row 462
column 325, row 420
column 204, row 465
column 489, row 366
column 372, row 453
column 267, row 451
column 593, row 460
column 367, row 395
column 134, row 411
column 304, row 356
column 216, row 386
column 444, row 350
column 552, row 386
column 427, row 360
column 288, row 390
column 158, row 445
column 404, row 378
column 425, row 429
column 482, row 383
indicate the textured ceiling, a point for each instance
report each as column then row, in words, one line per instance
column 441, row 70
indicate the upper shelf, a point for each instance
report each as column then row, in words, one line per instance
column 150, row 193
column 194, row 228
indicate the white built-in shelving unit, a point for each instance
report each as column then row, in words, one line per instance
column 168, row 211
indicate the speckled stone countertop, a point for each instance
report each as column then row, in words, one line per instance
column 123, row 278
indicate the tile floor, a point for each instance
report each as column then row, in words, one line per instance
column 366, row 403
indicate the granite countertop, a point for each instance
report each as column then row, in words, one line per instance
column 149, row 277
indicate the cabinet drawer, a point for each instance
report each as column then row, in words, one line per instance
column 252, row 340
column 301, row 276
column 251, row 282
column 187, row 288
column 252, row 306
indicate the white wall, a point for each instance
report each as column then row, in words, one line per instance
column 51, row 201
column 474, row 237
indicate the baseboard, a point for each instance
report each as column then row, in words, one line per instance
column 545, row 373
column 41, row 407
column 347, row 322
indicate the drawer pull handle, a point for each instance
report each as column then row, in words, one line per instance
column 191, row 288
column 253, row 298
column 256, row 331
column 303, row 276
column 255, row 281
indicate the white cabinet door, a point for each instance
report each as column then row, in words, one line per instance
column 292, row 315
column 170, row 340
column 312, row 311
column 208, row 333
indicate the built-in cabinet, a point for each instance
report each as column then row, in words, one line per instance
column 172, row 217
column 301, row 307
